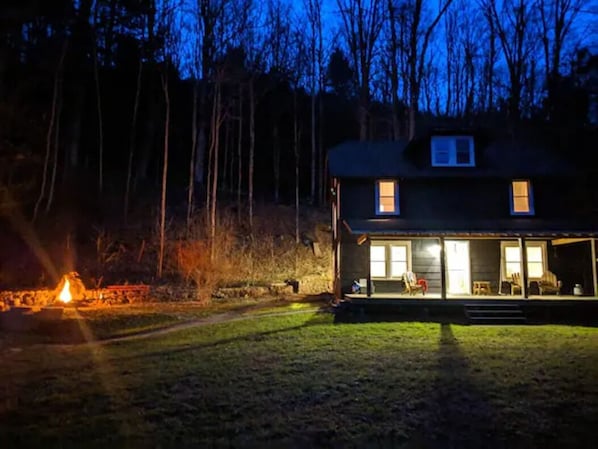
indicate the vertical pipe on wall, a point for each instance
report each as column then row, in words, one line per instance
column 524, row 273
column 442, row 269
column 594, row 275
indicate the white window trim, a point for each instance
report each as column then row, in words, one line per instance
column 453, row 151
column 530, row 197
column 511, row 244
column 397, row 210
column 387, row 245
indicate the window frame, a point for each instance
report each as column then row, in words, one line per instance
column 387, row 245
column 533, row 244
column 452, row 151
column 530, row 198
column 395, row 183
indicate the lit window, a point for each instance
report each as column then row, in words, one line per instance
column 536, row 259
column 512, row 260
column 378, row 261
column 390, row 259
column 387, row 195
column 398, row 260
column 535, row 262
column 452, row 151
column 521, row 198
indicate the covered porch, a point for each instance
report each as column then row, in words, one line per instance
column 472, row 266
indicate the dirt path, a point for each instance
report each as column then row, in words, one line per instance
column 225, row 317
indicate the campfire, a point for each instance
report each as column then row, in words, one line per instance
column 70, row 288
column 65, row 294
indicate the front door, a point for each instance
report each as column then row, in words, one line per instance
column 458, row 274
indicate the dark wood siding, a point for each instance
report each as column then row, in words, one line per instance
column 355, row 261
column 358, row 198
column 475, row 198
column 451, row 198
column 425, row 260
column 485, row 262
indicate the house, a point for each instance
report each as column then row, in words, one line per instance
column 470, row 212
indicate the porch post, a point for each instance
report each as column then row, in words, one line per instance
column 442, row 270
column 336, row 239
column 524, row 273
column 594, row 275
column 368, row 288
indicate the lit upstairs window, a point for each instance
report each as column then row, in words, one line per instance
column 452, row 151
column 387, row 197
column 521, row 198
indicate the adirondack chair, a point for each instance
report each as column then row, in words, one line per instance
column 515, row 284
column 413, row 285
column 549, row 284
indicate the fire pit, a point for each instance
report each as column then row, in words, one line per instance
column 70, row 288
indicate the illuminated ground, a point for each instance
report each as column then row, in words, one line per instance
column 300, row 380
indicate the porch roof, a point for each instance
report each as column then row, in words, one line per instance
column 514, row 227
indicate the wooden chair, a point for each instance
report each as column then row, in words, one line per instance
column 549, row 284
column 515, row 284
column 412, row 286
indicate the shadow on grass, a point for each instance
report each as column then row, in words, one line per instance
column 460, row 416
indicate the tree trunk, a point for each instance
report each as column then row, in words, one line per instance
column 251, row 153
column 56, row 146
column 240, row 153
column 276, row 161
column 191, row 183
column 96, row 77
column 296, row 151
column 394, row 73
column 57, row 77
column 215, row 150
column 164, row 173
column 132, row 141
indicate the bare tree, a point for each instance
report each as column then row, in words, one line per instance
column 132, row 140
column 513, row 27
column 313, row 10
column 51, row 125
column 556, row 19
column 419, row 36
column 278, row 38
column 96, row 78
column 169, row 55
column 395, row 51
column 362, row 22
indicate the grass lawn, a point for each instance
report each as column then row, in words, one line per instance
column 300, row 380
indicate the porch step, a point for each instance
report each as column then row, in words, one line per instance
column 494, row 314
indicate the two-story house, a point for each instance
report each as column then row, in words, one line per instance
column 462, row 210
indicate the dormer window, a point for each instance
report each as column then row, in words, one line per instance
column 387, row 197
column 452, row 151
column 522, row 201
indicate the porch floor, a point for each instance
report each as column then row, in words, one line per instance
column 466, row 309
column 359, row 297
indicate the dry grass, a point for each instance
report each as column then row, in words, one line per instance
column 270, row 254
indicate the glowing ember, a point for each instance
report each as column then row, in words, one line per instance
column 65, row 295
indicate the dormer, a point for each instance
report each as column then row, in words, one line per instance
column 452, row 151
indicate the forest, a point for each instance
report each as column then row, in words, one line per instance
column 154, row 131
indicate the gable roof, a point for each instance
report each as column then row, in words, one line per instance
column 503, row 157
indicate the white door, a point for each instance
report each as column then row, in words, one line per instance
column 458, row 274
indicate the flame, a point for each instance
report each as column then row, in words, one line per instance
column 65, row 295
